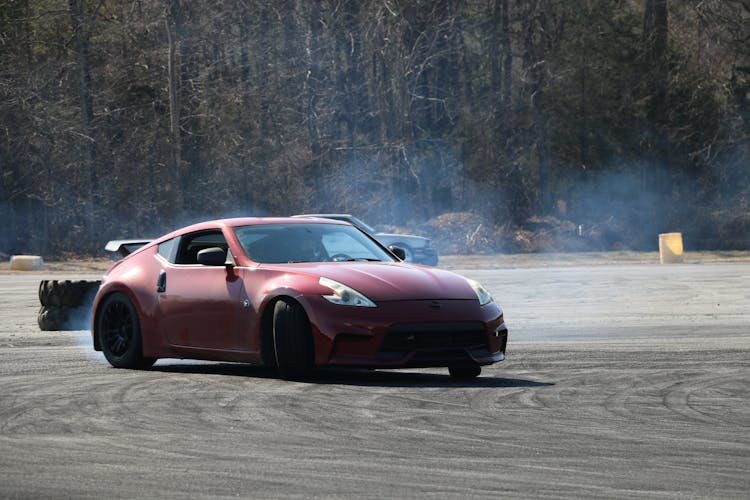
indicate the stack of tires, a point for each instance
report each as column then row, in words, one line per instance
column 62, row 301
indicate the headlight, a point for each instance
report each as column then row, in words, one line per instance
column 482, row 294
column 345, row 295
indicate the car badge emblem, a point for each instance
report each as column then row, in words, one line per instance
column 435, row 305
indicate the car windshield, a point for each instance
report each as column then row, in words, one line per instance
column 289, row 243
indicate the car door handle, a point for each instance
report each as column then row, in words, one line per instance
column 161, row 282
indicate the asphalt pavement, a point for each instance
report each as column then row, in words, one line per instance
column 625, row 381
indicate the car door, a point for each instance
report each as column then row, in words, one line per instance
column 199, row 305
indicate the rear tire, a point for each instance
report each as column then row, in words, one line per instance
column 120, row 333
column 465, row 372
column 292, row 339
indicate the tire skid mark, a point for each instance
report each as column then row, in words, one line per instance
column 678, row 399
column 733, row 394
column 47, row 409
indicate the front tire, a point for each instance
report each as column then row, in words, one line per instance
column 465, row 372
column 120, row 333
column 292, row 339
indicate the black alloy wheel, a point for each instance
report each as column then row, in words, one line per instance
column 120, row 333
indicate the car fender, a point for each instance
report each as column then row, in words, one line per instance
column 141, row 307
column 306, row 287
column 137, row 285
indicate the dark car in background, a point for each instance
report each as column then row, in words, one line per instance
column 417, row 248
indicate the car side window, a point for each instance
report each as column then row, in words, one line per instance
column 193, row 243
column 168, row 249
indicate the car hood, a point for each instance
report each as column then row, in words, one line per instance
column 383, row 281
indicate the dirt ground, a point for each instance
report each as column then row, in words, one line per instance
column 629, row 380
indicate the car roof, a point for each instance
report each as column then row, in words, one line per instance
column 233, row 222
column 246, row 221
column 326, row 216
column 255, row 221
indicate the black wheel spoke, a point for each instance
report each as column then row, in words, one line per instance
column 119, row 333
column 118, row 328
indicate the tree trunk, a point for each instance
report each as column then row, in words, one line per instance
column 506, row 53
column 309, row 23
column 655, row 26
column 172, row 23
column 88, row 150
column 535, row 56
column 655, row 32
column 502, row 59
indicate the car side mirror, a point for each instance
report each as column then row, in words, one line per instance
column 213, row 256
column 398, row 252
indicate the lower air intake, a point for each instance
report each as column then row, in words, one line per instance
column 428, row 336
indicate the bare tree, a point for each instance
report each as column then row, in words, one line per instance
column 173, row 22
column 78, row 21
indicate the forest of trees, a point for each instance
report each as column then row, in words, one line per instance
column 601, row 122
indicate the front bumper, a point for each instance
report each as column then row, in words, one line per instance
column 442, row 344
column 409, row 334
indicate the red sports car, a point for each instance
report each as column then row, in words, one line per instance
column 295, row 294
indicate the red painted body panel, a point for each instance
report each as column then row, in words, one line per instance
column 216, row 312
column 355, row 337
column 389, row 281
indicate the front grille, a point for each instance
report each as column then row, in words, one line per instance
column 434, row 336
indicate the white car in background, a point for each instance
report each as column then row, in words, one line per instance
column 417, row 248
